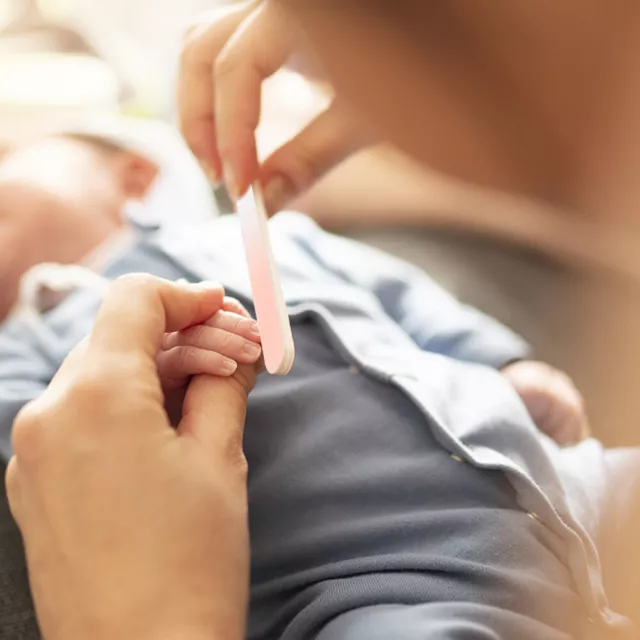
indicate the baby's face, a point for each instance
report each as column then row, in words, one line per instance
column 58, row 201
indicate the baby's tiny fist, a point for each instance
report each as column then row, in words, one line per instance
column 229, row 338
column 553, row 402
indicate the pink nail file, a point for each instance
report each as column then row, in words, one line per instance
column 271, row 310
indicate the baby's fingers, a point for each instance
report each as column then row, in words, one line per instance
column 232, row 322
column 177, row 364
column 214, row 339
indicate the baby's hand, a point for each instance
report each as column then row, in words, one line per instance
column 228, row 338
column 554, row 403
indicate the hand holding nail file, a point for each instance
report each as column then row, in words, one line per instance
column 271, row 310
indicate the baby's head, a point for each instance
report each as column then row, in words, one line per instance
column 60, row 198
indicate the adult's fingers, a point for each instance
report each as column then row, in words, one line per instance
column 139, row 309
column 221, row 402
column 214, row 411
column 325, row 142
column 201, row 47
column 258, row 48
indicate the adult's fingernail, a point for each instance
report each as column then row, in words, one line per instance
column 211, row 175
column 231, row 182
column 278, row 192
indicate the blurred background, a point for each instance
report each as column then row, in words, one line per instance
column 135, row 48
column 570, row 288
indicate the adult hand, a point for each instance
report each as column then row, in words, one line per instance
column 134, row 529
column 225, row 59
column 490, row 92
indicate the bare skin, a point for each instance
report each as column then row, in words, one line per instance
column 174, row 562
column 60, row 198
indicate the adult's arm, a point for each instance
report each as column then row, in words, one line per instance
column 134, row 529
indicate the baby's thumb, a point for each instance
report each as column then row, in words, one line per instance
column 320, row 146
column 214, row 412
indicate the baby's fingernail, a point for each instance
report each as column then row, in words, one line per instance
column 254, row 329
column 228, row 367
column 231, row 182
column 278, row 192
column 251, row 350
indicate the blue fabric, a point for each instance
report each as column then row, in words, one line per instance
column 363, row 526
column 427, row 365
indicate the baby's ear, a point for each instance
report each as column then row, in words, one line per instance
column 135, row 174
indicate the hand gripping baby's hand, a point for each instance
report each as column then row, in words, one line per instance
column 229, row 338
column 554, row 403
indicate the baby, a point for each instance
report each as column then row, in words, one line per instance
column 231, row 337
column 360, row 493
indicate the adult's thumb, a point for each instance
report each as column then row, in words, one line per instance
column 214, row 412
